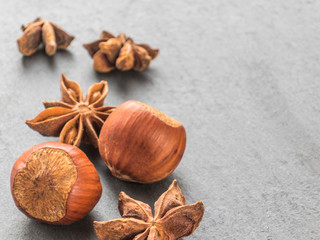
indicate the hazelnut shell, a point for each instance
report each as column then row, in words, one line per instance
column 139, row 143
column 85, row 192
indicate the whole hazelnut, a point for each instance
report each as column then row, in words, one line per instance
column 55, row 183
column 139, row 143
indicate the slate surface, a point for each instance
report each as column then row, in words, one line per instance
column 243, row 78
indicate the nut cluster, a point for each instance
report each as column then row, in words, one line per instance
column 110, row 52
column 56, row 183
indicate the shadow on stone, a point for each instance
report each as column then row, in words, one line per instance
column 40, row 57
column 82, row 229
column 124, row 80
column 148, row 193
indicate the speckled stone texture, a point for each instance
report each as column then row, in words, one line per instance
column 243, row 78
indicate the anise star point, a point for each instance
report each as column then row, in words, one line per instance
column 172, row 220
column 74, row 118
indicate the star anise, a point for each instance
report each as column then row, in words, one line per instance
column 110, row 52
column 74, row 118
column 41, row 31
column 173, row 219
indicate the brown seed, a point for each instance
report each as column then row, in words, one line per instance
column 71, row 136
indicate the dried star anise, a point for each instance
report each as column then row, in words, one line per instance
column 110, row 52
column 74, row 118
column 173, row 219
column 41, row 31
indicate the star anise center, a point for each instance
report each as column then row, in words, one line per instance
column 155, row 224
column 84, row 108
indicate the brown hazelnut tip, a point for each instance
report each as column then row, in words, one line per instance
column 161, row 116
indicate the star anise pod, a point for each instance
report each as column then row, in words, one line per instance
column 42, row 31
column 74, row 118
column 173, row 219
column 110, row 52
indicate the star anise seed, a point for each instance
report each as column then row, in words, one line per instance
column 173, row 219
column 42, row 31
column 110, row 52
column 74, row 118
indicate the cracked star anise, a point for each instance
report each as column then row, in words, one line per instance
column 41, row 31
column 110, row 52
column 74, row 118
column 173, row 219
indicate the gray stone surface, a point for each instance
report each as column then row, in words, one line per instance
column 243, row 78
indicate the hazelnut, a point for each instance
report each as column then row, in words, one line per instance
column 139, row 143
column 55, row 183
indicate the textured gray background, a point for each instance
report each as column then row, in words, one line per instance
column 243, row 78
